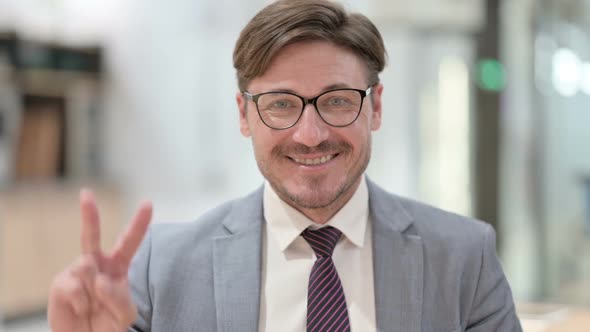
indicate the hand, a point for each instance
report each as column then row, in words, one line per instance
column 93, row 293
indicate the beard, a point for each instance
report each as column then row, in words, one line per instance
column 316, row 192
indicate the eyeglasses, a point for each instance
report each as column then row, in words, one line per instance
column 282, row 110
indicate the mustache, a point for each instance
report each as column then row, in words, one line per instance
column 324, row 147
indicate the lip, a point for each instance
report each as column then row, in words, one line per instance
column 319, row 167
column 312, row 156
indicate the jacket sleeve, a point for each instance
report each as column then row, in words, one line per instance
column 493, row 306
column 139, row 286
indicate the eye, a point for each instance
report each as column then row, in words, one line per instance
column 338, row 101
column 281, row 104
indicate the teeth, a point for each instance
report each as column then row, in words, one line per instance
column 316, row 161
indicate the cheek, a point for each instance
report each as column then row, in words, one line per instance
column 356, row 136
column 360, row 138
column 360, row 129
column 265, row 139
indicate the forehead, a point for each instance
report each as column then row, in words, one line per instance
column 311, row 67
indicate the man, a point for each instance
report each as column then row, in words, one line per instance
column 319, row 247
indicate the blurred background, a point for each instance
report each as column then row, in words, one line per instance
column 486, row 113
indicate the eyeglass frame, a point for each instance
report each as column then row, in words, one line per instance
column 309, row 101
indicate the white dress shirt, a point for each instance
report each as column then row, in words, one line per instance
column 287, row 260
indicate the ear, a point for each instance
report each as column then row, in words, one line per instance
column 242, row 108
column 377, row 109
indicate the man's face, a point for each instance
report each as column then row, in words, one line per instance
column 308, row 69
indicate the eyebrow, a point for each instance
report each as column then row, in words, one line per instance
column 326, row 88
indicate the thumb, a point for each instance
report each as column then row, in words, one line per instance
column 115, row 297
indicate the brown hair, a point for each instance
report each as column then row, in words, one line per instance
column 288, row 21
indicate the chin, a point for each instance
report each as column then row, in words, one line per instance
column 311, row 195
column 312, row 201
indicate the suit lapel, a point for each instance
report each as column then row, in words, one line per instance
column 237, row 266
column 398, row 264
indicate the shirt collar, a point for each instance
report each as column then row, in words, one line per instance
column 285, row 223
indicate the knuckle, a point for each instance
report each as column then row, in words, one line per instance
column 87, row 261
column 85, row 266
column 60, row 281
column 67, row 286
column 76, row 289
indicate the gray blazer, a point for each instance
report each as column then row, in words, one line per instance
column 434, row 271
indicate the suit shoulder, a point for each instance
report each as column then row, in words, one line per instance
column 441, row 221
column 208, row 223
column 451, row 242
column 203, row 229
column 439, row 229
column 447, row 231
column 425, row 219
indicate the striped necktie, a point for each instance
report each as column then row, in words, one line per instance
column 326, row 303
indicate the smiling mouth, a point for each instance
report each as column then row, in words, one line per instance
column 314, row 161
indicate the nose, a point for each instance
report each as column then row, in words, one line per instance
column 310, row 130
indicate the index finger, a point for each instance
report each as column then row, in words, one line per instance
column 90, row 233
column 130, row 240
